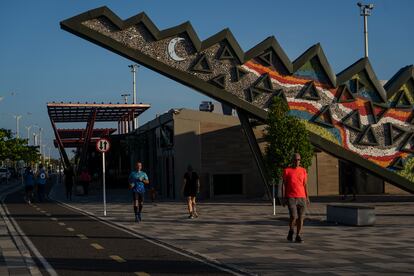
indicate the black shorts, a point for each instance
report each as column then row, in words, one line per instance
column 297, row 207
column 28, row 188
column 190, row 191
column 137, row 196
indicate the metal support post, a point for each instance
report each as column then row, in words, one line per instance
column 257, row 154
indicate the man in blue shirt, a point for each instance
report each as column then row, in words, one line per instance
column 137, row 179
column 41, row 182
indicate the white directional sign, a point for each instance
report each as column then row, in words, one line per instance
column 103, row 145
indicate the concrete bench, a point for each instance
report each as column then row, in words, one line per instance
column 358, row 215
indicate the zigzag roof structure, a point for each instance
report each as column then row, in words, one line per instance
column 269, row 50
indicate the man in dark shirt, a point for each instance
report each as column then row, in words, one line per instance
column 190, row 188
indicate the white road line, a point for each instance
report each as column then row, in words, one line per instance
column 97, row 246
column 22, row 245
column 70, row 229
column 117, row 258
column 62, row 223
column 203, row 259
column 82, row 236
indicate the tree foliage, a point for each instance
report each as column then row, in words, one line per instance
column 407, row 171
column 15, row 149
column 285, row 136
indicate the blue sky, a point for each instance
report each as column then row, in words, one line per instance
column 40, row 63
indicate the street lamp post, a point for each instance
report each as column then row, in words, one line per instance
column 34, row 139
column 43, row 153
column 134, row 69
column 40, row 140
column 17, row 117
column 365, row 10
column 49, row 148
column 28, row 133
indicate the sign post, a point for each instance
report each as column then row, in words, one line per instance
column 103, row 145
column 274, row 197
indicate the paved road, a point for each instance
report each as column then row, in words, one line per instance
column 246, row 235
column 75, row 244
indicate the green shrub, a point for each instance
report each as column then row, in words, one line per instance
column 285, row 135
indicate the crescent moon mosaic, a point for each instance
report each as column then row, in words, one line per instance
column 171, row 49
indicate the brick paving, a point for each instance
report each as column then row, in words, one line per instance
column 245, row 234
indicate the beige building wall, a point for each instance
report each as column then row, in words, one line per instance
column 213, row 144
column 313, row 178
column 392, row 190
column 186, row 149
column 225, row 151
column 328, row 174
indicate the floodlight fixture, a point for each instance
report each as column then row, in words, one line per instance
column 125, row 96
column 365, row 11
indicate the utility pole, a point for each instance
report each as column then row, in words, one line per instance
column 365, row 10
column 44, row 153
column 49, row 148
column 34, row 139
column 40, row 140
column 134, row 69
column 28, row 133
column 17, row 117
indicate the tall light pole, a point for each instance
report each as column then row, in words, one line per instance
column 17, row 117
column 44, row 153
column 28, row 133
column 365, row 10
column 134, row 69
column 40, row 140
column 49, row 148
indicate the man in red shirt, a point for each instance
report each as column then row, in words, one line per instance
column 295, row 195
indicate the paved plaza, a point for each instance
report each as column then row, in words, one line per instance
column 245, row 234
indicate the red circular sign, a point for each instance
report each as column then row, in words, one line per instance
column 103, row 145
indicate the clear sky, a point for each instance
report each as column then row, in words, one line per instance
column 40, row 63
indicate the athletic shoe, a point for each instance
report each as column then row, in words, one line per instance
column 290, row 235
column 298, row 239
column 195, row 214
column 191, row 216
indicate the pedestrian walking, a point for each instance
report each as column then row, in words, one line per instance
column 41, row 179
column 85, row 179
column 190, row 190
column 137, row 181
column 69, row 180
column 295, row 195
column 29, row 181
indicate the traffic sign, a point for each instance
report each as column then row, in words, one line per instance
column 103, row 145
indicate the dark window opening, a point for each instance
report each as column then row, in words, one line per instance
column 228, row 184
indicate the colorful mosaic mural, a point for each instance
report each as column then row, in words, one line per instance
column 351, row 114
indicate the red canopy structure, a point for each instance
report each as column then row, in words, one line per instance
column 73, row 138
column 123, row 114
